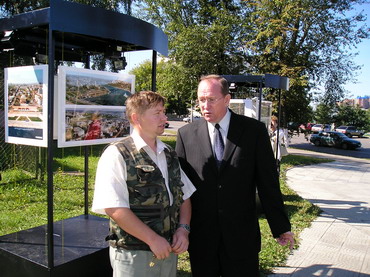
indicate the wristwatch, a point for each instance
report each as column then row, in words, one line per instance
column 185, row 226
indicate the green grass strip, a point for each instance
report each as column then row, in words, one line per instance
column 23, row 201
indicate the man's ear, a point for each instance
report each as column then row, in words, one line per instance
column 135, row 118
column 227, row 99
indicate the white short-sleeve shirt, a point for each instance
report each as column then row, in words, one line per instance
column 111, row 175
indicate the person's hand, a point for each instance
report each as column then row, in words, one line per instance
column 160, row 247
column 180, row 241
column 286, row 238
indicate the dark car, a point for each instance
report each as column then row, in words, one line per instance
column 167, row 124
column 350, row 131
column 334, row 139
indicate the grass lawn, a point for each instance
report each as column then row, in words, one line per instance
column 23, row 200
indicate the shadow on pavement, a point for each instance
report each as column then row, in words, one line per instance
column 323, row 270
column 346, row 211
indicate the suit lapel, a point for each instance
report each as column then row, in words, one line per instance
column 205, row 144
column 233, row 136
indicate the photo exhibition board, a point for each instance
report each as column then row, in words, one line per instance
column 91, row 106
column 26, row 112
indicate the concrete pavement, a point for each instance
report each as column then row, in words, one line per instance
column 338, row 242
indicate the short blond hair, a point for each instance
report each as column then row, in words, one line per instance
column 141, row 101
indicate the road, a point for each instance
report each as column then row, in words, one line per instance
column 363, row 152
column 174, row 125
column 300, row 143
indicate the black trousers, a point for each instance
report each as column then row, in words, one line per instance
column 219, row 263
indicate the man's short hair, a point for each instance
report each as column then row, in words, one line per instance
column 221, row 80
column 141, row 101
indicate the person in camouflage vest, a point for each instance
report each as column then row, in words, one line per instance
column 141, row 187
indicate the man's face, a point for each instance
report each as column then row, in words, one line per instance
column 212, row 102
column 151, row 122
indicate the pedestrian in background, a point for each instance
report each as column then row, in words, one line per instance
column 278, row 141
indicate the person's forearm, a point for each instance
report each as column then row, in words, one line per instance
column 180, row 240
column 185, row 212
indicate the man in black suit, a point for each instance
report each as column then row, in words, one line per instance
column 225, row 237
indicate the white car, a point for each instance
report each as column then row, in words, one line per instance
column 320, row 127
column 188, row 118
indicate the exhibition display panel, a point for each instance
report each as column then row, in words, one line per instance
column 40, row 110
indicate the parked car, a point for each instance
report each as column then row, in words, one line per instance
column 309, row 126
column 320, row 127
column 188, row 118
column 335, row 139
column 306, row 127
column 167, row 124
column 350, row 131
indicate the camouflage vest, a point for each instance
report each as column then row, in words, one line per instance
column 148, row 195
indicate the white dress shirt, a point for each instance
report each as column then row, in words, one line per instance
column 111, row 175
column 224, row 128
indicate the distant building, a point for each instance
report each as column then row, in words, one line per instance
column 361, row 101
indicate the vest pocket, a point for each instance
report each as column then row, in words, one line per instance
column 152, row 215
column 146, row 195
column 148, row 190
column 145, row 176
column 148, row 212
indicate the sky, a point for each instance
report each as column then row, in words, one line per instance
column 360, row 88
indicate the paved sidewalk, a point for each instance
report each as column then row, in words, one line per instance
column 338, row 242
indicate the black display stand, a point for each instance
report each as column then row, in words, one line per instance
column 68, row 31
column 79, row 250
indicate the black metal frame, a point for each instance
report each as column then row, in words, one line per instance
column 259, row 81
column 262, row 81
column 68, row 31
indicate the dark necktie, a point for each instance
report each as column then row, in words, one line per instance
column 219, row 145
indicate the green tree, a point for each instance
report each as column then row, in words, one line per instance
column 353, row 116
column 367, row 126
column 307, row 41
column 204, row 36
column 172, row 82
column 12, row 7
column 143, row 73
column 324, row 114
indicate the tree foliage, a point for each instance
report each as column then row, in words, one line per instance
column 12, row 7
column 353, row 116
column 305, row 40
column 324, row 114
column 308, row 41
column 204, row 37
column 367, row 126
column 172, row 82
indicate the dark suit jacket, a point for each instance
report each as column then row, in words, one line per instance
column 224, row 204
